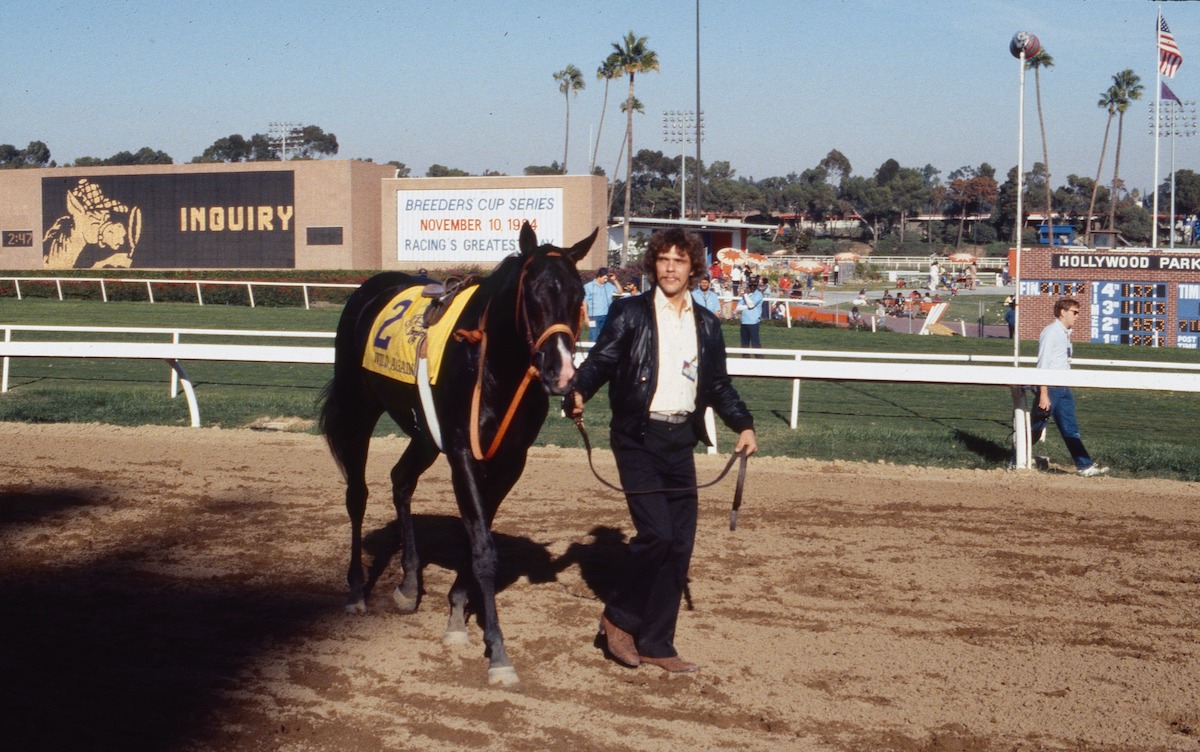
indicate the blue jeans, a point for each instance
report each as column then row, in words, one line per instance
column 1062, row 409
column 595, row 330
column 750, row 336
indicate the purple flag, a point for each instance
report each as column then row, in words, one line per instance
column 1168, row 94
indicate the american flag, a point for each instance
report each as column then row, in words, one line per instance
column 1169, row 58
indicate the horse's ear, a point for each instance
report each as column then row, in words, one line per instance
column 528, row 239
column 580, row 249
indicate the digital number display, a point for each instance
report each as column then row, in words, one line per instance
column 1129, row 313
column 1061, row 289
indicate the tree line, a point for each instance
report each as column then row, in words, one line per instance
column 975, row 206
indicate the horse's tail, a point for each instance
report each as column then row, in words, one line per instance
column 341, row 415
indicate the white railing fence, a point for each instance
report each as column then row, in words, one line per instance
column 198, row 284
column 796, row 365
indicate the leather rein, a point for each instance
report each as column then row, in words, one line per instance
column 480, row 336
column 737, row 492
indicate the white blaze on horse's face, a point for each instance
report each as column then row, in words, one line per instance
column 566, row 370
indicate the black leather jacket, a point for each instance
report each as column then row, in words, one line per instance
column 626, row 353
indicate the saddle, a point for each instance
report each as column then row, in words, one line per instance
column 443, row 294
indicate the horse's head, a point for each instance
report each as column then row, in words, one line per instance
column 550, row 300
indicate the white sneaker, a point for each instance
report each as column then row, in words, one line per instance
column 1093, row 470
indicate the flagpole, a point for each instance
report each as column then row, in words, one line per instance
column 1157, row 108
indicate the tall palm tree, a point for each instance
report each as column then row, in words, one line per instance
column 632, row 57
column 607, row 71
column 570, row 81
column 1128, row 88
column 636, row 105
column 1108, row 101
column 1037, row 62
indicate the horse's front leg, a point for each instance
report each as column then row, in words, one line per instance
column 473, row 503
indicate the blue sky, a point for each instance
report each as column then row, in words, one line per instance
column 468, row 84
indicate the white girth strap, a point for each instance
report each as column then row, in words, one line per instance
column 427, row 407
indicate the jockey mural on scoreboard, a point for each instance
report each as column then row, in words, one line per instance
column 238, row 220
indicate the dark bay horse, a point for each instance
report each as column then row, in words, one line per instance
column 518, row 327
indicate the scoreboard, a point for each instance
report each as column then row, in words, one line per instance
column 1136, row 297
column 1187, row 328
column 1129, row 313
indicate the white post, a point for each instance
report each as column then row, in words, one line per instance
column 199, row 297
column 796, row 398
column 1022, row 441
column 4, row 381
column 250, row 292
column 58, row 286
column 1021, row 449
column 1157, row 109
column 103, row 291
column 710, row 425
column 149, row 291
column 174, row 370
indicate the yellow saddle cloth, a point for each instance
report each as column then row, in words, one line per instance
column 399, row 335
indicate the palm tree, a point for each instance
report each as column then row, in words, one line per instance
column 607, row 71
column 1128, row 88
column 631, row 56
column 570, row 81
column 636, row 105
column 1108, row 101
column 1037, row 62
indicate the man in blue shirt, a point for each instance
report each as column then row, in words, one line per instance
column 706, row 296
column 597, row 297
column 750, row 306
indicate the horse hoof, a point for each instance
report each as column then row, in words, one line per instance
column 505, row 676
column 356, row 607
column 405, row 603
column 455, row 638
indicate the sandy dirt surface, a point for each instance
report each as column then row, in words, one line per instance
column 183, row 589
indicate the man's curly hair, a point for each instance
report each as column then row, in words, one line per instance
column 687, row 243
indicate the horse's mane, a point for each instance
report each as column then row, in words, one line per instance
column 501, row 282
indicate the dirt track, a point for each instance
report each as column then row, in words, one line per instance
column 182, row 589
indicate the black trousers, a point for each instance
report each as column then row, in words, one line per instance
column 646, row 603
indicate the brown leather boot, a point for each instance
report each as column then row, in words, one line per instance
column 674, row 664
column 619, row 644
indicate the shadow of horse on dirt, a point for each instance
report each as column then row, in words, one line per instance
column 441, row 541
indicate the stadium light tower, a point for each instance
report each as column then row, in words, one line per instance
column 683, row 127
column 279, row 132
column 1175, row 118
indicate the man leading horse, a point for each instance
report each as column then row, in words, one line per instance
column 664, row 360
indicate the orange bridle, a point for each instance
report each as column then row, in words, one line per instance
column 480, row 336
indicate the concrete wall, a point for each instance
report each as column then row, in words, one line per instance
column 329, row 194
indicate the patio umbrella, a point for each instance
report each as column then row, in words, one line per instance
column 962, row 257
column 730, row 256
column 756, row 259
column 807, row 266
column 846, row 256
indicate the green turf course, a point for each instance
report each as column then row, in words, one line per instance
column 1136, row 433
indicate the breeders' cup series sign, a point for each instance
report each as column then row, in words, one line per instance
column 473, row 225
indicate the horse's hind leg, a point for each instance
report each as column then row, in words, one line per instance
column 456, row 627
column 352, row 449
column 415, row 460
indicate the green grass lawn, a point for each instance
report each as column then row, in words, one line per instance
column 1137, row 433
